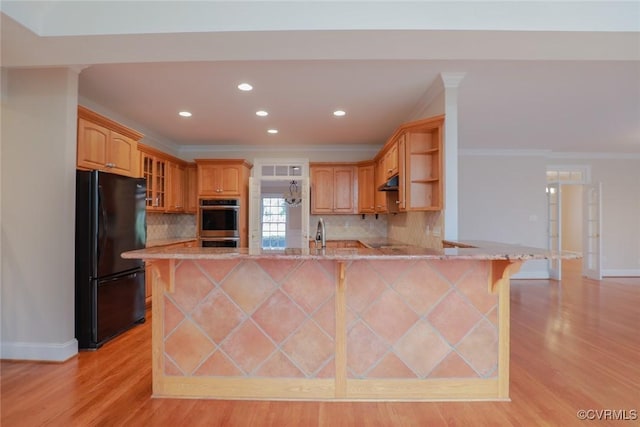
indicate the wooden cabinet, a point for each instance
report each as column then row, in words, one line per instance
column 171, row 183
column 154, row 170
column 390, row 158
column 366, row 188
column 106, row 145
column 423, row 170
column 380, row 179
column 191, row 189
column 226, row 178
column 419, row 151
column 333, row 189
column 176, row 193
column 221, row 177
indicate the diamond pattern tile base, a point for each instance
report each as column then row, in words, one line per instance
column 249, row 318
column 260, row 319
column 422, row 319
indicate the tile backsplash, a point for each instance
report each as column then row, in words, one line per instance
column 423, row 229
column 345, row 227
column 170, row 226
column 410, row 227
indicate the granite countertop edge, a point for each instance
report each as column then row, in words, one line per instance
column 154, row 243
column 384, row 250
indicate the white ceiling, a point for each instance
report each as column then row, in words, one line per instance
column 538, row 75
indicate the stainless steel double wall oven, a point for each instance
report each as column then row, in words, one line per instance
column 219, row 223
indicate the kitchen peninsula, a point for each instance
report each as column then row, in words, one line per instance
column 386, row 323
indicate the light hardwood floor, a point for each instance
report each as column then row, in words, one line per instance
column 575, row 345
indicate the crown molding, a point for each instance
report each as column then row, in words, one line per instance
column 488, row 152
column 593, row 155
column 547, row 154
column 278, row 149
column 451, row 80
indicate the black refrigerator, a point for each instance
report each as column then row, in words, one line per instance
column 109, row 290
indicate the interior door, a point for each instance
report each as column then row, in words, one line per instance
column 304, row 189
column 255, row 214
column 592, row 229
column 554, row 229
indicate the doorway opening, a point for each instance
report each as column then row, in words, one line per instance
column 279, row 204
column 573, row 218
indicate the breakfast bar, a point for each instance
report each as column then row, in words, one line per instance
column 373, row 323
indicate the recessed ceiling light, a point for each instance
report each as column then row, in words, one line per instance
column 272, row 131
column 245, row 87
column 185, row 114
column 339, row 113
column 261, row 113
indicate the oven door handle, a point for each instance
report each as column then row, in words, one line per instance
column 219, row 208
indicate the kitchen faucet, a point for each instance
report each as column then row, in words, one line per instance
column 321, row 234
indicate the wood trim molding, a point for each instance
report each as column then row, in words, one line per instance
column 161, row 154
column 92, row 116
column 341, row 333
column 502, row 270
column 242, row 162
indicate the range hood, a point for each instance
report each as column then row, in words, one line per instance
column 390, row 185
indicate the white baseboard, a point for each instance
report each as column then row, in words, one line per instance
column 39, row 351
column 531, row 274
column 621, row 273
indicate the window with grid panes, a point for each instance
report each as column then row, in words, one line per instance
column 274, row 223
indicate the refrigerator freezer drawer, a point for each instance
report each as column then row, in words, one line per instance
column 117, row 304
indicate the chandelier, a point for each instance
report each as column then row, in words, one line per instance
column 293, row 197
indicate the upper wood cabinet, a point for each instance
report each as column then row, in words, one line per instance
column 222, row 177
column 171, row 182
column 380, row 179
column 106, row 145
column 390, row 158
column 191, row 189
column 420, row 169
column 154, row 170
column 176, row 193
column 366, row 188
column 423, row 170
column 333, row 188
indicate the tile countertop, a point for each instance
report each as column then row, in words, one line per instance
column 382, row 250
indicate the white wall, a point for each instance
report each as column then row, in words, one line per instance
column 620, row 178
column 502, row 199
column 39, row 110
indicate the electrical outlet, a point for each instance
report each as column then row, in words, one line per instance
column 436, row 232
column 427, row 231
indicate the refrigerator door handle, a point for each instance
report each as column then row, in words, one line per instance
column 114, row 279
column 103, row 213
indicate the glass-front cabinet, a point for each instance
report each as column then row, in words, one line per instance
column 154, row 171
